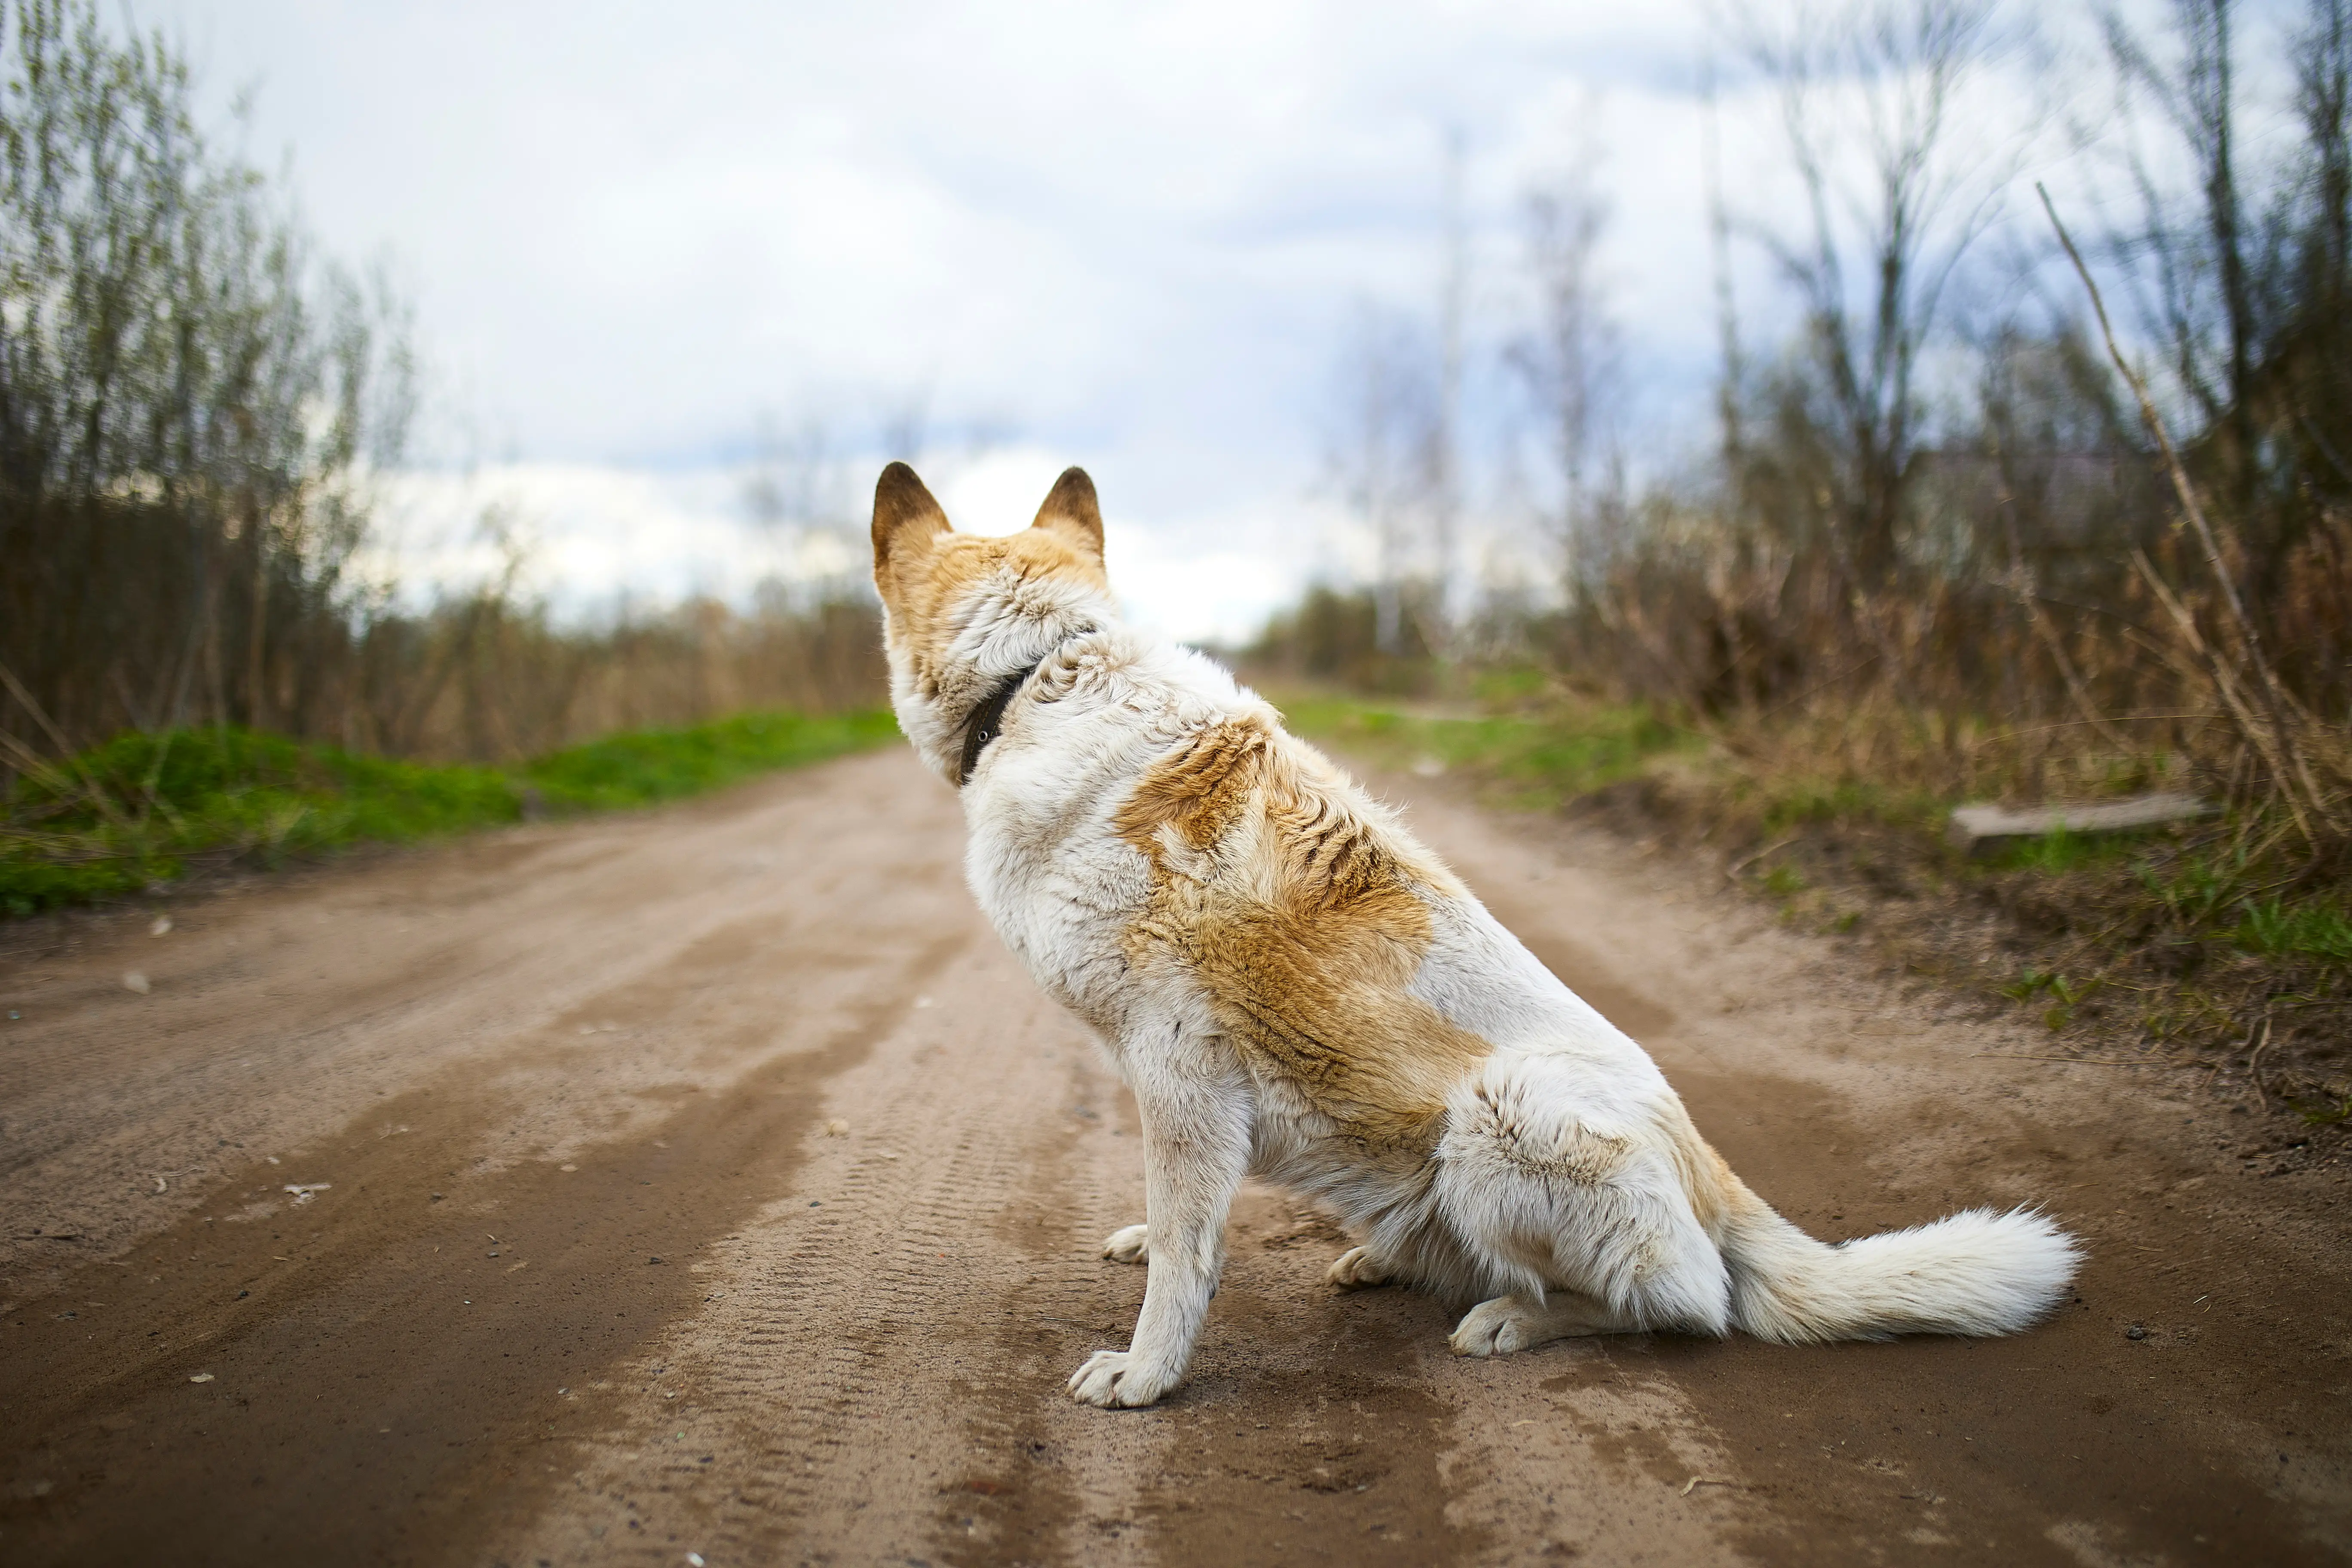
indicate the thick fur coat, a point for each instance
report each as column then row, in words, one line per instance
column 1294, row 989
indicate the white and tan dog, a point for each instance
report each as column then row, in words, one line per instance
column 1295, row 989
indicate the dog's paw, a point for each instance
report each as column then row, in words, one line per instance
column 1500, row 1327
column 1132, row 1245
column 1356, row 1269
column 1116, row 1379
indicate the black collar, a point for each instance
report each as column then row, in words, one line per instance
column 987, row 721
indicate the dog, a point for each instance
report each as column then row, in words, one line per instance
column 1294, row 989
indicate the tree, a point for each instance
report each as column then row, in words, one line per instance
column 2203, row 304
column 1569, row 358
column 191, row 405
column 1892, row 204
column 1380, row 455
column 2246, row 295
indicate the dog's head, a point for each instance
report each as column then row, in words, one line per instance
column 963, row 612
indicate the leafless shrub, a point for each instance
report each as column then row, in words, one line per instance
column 1383, row 458
column 491, row 677
column 2041, row 591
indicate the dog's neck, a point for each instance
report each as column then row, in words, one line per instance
column 987, row 721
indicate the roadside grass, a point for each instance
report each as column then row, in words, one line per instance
column 641, row 767
column 2313, row 930
column 2196, row 937
column 2058, row 853
column 143, row 808
column 1785, row 803
column 1531, row 761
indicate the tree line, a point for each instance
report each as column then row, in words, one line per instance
column 2015, row 490
column 198, row 413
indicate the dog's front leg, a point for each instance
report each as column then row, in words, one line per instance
column 1196, row 1145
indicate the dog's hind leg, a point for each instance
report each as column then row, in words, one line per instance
column 1563, row 1196
column 1132, row 1244
column 1197, row 1124
column 1510, row 1323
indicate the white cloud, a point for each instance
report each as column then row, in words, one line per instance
column 584, row 535
column 632, row 228
column 588, row 536
column 1122, row 235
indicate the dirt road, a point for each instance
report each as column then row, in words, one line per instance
column 711, row 1182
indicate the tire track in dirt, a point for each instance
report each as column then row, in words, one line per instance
column 278, row 1011
column 854, row 1364
column 402, row 1311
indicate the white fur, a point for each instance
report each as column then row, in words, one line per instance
column 1972, row 1273
column 1552, row 1197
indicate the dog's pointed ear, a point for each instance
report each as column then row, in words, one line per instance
column 1071, row 510
column 906, row 518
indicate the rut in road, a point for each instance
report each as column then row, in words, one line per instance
column 634, row 1039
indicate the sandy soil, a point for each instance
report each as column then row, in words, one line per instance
column 709, row 1181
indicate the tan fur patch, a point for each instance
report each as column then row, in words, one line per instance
column 923, row 585
column 1301, row 923
column 1718, row 1195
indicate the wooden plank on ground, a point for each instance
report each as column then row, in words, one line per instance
column 1980, row 829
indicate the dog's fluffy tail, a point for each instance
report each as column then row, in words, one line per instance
column 1973, row 1273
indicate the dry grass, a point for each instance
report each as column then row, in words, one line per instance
column 490, row 679
column 485, row 679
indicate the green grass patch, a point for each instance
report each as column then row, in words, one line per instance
column 138, row 809
column 644, row 766
column 2309, row 931
column 2198, row 890
column 1787, row 804
column 1540, row 760
column 2322, row 1113
column 2064, row 995
column 2055, row 854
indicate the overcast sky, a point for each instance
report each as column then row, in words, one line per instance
column 1123, row 236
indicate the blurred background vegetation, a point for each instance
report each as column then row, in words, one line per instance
column 196, row 414
column 1938, row 537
